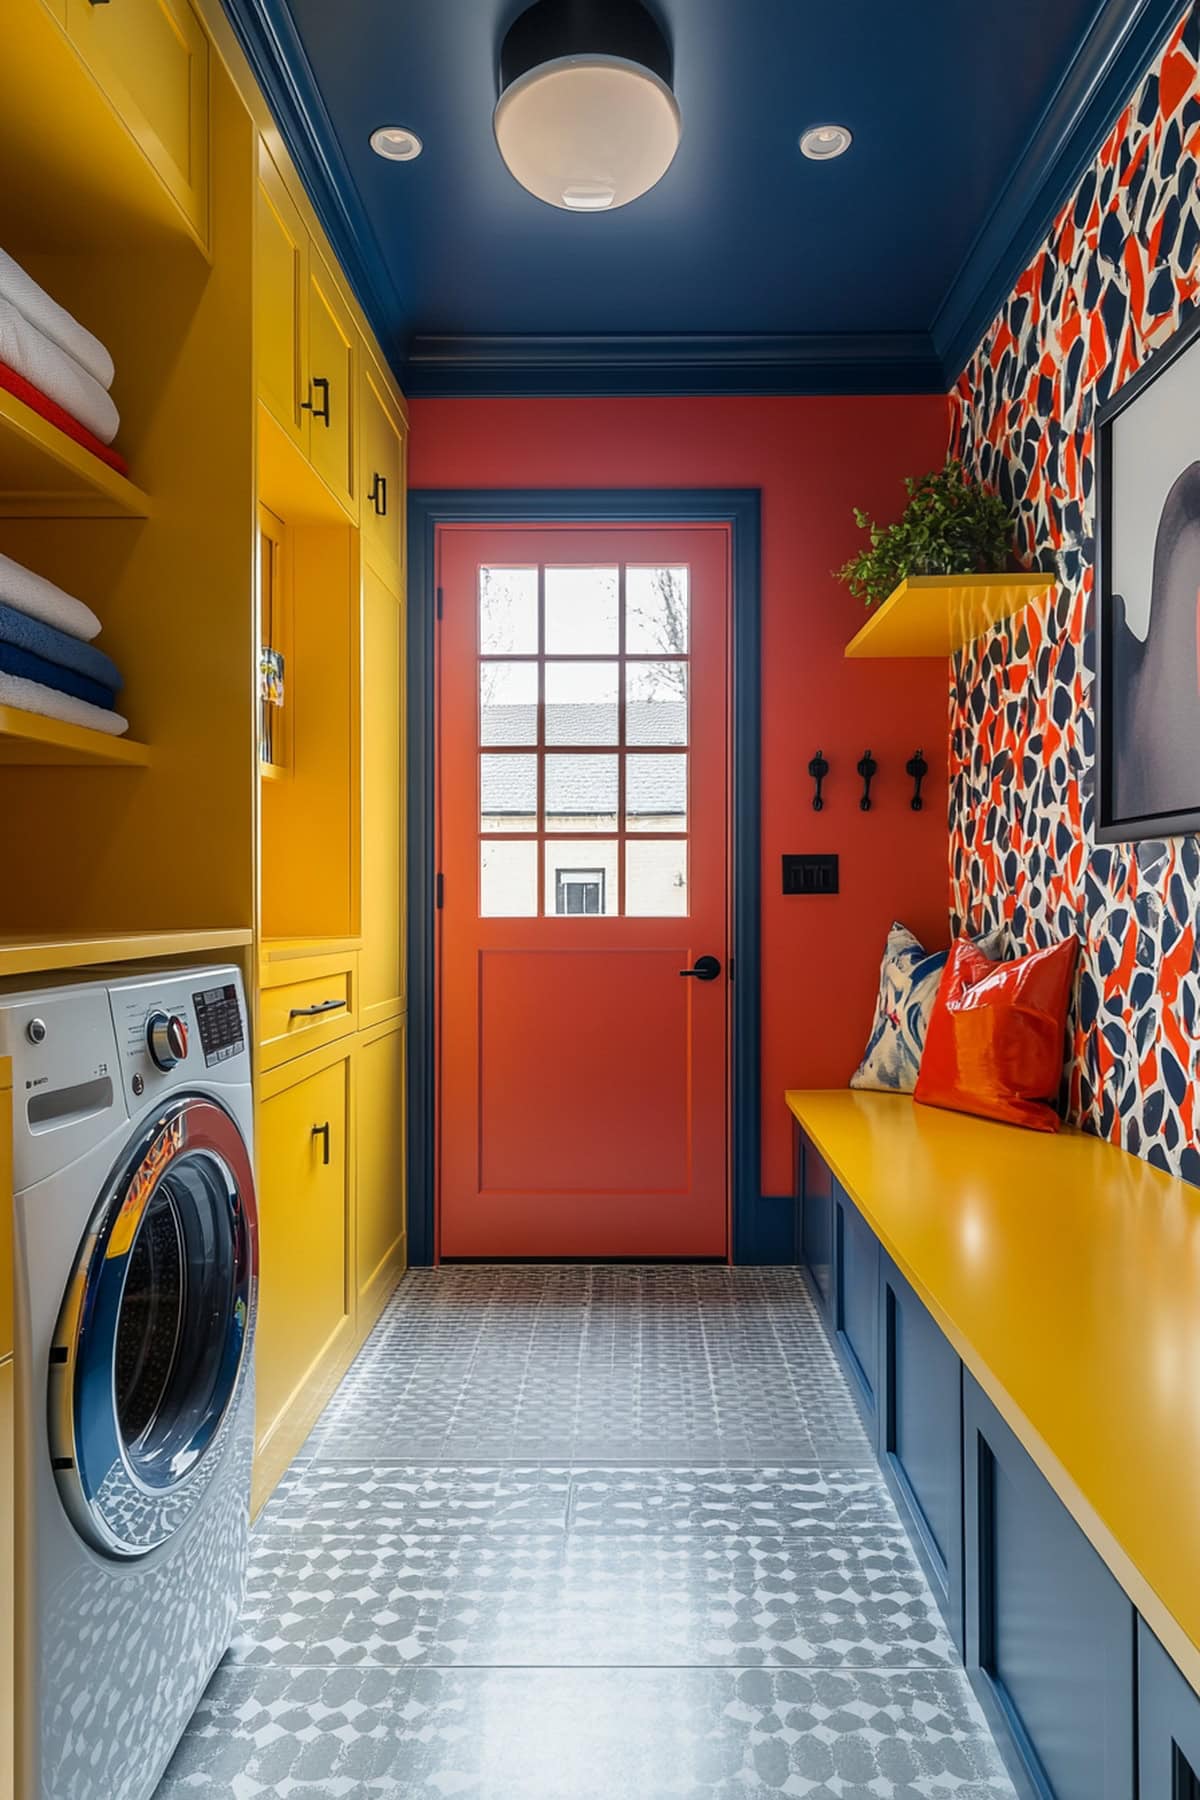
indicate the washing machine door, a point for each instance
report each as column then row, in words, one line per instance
column 154, row 1336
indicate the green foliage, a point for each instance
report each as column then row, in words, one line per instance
column 951, row 526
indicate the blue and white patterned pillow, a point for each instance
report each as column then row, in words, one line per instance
column 908, row 985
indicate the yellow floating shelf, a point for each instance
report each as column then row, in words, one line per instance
column 45, row 474
column 27, row 737
column 934, row 615
column 32, row 956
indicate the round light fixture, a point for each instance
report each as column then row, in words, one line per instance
column 821, row 143
column 396, row 143
column 586, row 119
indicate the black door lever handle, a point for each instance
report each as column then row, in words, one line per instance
column 707, row 969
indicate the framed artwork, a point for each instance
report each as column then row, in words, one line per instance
column 1148, row 583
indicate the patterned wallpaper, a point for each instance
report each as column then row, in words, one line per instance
column 1119, row 268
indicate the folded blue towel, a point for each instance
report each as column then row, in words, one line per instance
column 16, row 627
column 52, row 675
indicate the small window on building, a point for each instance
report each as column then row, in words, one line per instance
column 1186, row 1786
column 579, row 892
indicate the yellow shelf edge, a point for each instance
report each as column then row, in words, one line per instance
column 102, row 491
column 31, row 956
column 934, row 615
column 53, row 741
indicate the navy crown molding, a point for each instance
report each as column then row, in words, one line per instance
column 762, row 1227
column 267, row 34
column 687, row 363
column 1098, row 83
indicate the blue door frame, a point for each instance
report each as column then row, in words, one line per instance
column 754, row 1225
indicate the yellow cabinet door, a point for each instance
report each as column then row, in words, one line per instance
column 8, row 1569
column 381, row 959
column 382, row 479
column 380, row 1211
column 304, row 1165
column 332, row 373
column 281, row 303
column 151, row 59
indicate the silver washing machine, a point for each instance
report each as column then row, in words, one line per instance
column 136, row 1273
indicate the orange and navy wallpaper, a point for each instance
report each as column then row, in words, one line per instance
column 1119, row 269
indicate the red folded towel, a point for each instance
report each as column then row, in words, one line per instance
column 50, row 410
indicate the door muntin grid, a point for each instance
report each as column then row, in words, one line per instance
column 583, row 726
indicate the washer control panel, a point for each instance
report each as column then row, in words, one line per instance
column 220, row 1022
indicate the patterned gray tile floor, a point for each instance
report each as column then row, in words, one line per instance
column 566, row 1533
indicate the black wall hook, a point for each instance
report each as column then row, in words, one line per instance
column 918, row 768
column 818, row 768
column 868, row 768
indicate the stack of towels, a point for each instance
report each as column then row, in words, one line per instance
column 52, row 363
column 48, row 663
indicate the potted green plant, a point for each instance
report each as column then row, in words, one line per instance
column 951, row 526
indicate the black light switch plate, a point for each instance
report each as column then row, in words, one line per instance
column 810, row 874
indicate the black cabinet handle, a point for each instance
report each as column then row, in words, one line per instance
column 322, row 1131
column 318, row 412
column 322, row 1006
column 378, row 495
column 707, row 969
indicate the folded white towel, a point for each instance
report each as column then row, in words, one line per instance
column 54, row 321
column 34, row 595
column 32, row 697
column 24, row 349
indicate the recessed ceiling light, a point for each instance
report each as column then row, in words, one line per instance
column 821, row 143
column 396, row 143
column 587, row 120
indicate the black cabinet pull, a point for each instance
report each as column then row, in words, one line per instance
column 378, row 495
column 318, row 412
column 322, row 1131
column 707, row 968
column 312, row 1012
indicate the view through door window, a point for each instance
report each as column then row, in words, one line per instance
column 583, row 741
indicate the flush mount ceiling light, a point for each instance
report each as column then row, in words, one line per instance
column 821, row 143
column 396, row 143
column 586, row 118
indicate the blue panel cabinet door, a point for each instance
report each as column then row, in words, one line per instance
column 816, row 1220
column 1168, row 1725
column 856, row 1304
column 920, row 1436
column 1049, row 1634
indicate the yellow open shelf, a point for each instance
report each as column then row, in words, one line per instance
column 35, row 955
column 46, row 474
column 934, row 615
column 27, row 737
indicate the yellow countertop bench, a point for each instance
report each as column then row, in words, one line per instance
column 1066, row 1274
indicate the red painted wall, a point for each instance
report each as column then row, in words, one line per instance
column 814, row 459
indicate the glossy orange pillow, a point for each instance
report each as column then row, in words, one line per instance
column 995, row 1042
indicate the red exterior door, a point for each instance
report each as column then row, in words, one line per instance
column 583, row 724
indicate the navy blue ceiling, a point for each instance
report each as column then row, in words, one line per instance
column 748, row 268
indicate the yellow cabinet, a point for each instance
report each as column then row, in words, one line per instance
column 380, row 1210
column 280, row 301
column 304, row 1002
column 306, row 345
column 304, row 1174
column 8, row 1569
column 332, row 397
column 150, row 57
column 381, row 959
column 382, row 466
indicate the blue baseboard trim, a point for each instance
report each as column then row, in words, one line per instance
column 769, row 1233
